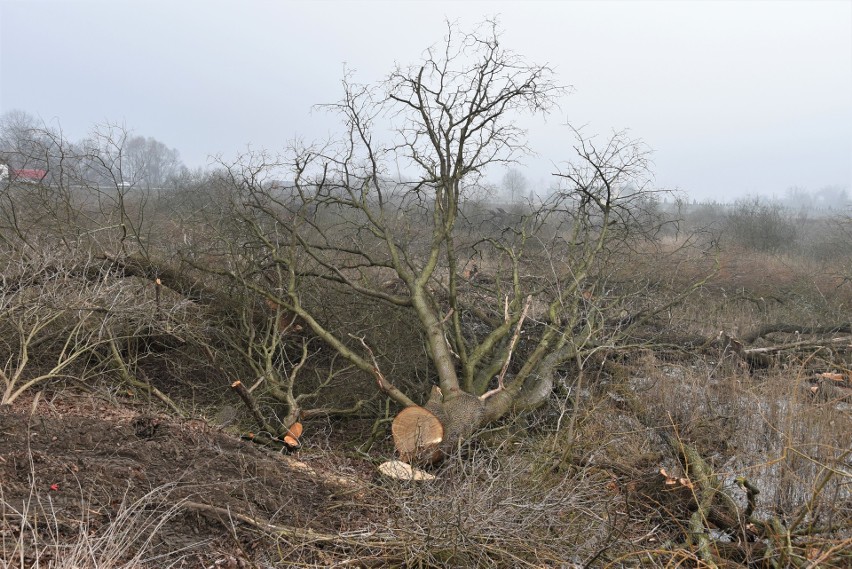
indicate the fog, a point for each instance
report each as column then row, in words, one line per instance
column 734, row 98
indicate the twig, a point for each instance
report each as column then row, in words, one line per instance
column 286, row 531
column 158, row 285
column 138, row 383
column 252, row 405
column 447, row 317
column 328, row 411
column 500, row 378
column 376, row 431
column 751, row 496
column 830, row 552
column 383, row 383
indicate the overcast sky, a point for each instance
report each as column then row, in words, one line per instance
column 735, row 98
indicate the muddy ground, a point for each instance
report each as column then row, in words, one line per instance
column 75, row 463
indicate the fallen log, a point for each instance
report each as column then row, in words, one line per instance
column 140, row 266
column 844, row 342
column 795, row 329
column 762, row 358
column 751, row 360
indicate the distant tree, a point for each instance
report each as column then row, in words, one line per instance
column 797, row 197
column 149, row 162
column 832, row 197
column 17, row 134
column 514, row 185
column 761, row 225
column 111, row 156
column 26, row 143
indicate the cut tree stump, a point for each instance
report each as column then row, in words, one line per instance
column 417, row 434
column 291, row 439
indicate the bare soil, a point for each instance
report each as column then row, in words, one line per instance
column 76, row 460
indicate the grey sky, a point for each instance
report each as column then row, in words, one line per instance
column 734, row 97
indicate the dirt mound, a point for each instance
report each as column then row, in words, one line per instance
column 82, row 466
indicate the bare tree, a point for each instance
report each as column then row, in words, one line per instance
column 514, row 184
column 150, row 163
column 24, row 141
column 495, row 333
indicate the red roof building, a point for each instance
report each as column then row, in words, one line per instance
column 29, row 175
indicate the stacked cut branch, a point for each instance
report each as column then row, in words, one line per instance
column 715, row 527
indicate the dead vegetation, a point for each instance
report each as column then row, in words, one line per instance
column 644, row 455
column 212, row 375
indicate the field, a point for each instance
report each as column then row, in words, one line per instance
column 674, row 445
column 214, row 368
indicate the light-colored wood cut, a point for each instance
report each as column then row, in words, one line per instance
column 417, row 433
column 399, row 470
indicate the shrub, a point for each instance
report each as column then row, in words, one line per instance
column 761, row 225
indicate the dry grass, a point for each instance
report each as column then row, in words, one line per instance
column 497, row 508
column 575, row 483
column 35, row 536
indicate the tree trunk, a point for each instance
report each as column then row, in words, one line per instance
column 460, row 415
